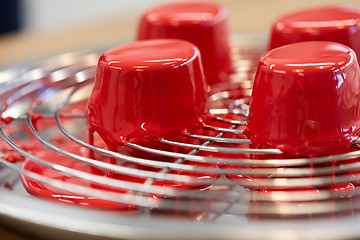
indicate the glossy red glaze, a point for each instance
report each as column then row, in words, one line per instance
column 346, row 189
column 152, row 88
column 336, row 24
column 204, row 24
column 306, row 99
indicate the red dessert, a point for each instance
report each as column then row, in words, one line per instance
column 306, row 99
column 336, row 24
column 152, row 88
column 203, row 24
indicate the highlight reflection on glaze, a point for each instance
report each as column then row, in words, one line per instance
column 306, row 99
column 152, row 88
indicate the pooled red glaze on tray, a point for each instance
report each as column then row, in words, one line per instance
column 152, row 88
column 306, row 100
column 202, row 23
column 64, row 196
column 335, row 23
column 52, row 193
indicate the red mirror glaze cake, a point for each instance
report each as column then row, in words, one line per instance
column 336, row 24
column 203, row 24
column 153, row 88
column 306, row 99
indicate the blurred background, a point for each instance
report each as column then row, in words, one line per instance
column 33, row 28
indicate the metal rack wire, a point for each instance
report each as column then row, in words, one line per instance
column 207, row 175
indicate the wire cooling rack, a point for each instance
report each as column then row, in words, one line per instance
column 209, row 183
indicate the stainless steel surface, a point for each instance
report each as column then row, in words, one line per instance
column 272, row 199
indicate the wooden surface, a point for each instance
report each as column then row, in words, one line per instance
column 245, row 16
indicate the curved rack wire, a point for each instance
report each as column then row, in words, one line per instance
column 208, row 174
